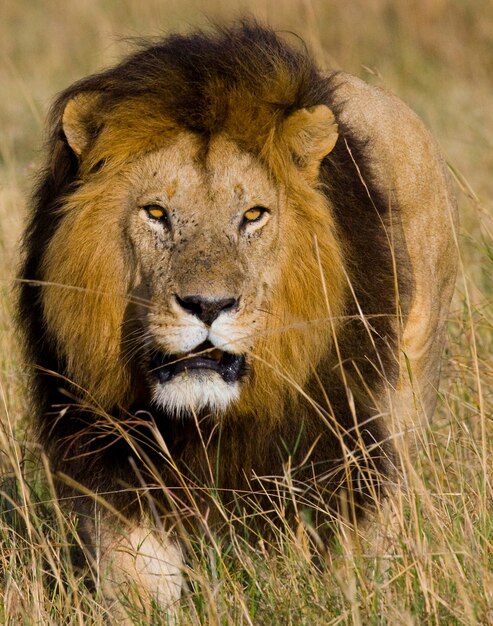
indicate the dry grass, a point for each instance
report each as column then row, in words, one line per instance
column 438, row 55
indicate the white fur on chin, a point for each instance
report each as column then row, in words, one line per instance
column 195, row 391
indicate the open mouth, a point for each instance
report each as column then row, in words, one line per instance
column 204, row 357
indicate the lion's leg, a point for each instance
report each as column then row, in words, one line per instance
column 135, row 566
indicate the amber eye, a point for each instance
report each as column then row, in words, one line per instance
column 157, row 214
column 155, row 211
column 254, row 214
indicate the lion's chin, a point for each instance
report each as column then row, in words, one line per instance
column 195, row 391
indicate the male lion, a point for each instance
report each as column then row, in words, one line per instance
column 236, row 280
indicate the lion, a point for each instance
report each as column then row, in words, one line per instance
column 236, row 279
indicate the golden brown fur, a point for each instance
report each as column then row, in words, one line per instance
column 83, row 253
column 328, row 300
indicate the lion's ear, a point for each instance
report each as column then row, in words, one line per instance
column 76, row 120
column 311, row 134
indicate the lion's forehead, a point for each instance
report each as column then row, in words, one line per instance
column 191, row 175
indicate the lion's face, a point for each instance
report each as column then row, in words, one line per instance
column 190, row 268
column 204, row 230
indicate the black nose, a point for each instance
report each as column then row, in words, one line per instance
column 207, row 310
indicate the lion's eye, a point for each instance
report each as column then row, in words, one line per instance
column 155, row 211
column 254, row 214
column 158, row 214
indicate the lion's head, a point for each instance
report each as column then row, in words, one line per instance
column 195, row 257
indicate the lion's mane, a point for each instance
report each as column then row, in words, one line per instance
column 243, row 81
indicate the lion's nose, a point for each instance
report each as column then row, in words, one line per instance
column 206, row 309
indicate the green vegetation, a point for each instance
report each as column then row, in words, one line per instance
column 438, row 56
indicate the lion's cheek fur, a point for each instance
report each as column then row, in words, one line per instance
column 87, row 278
column 306, row 304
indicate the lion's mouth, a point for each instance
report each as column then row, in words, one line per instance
column 204, row 357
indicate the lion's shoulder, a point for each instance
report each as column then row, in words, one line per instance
column 399, row 146
column 406, row 167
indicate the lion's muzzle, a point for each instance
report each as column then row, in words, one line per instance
column 197, row 357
